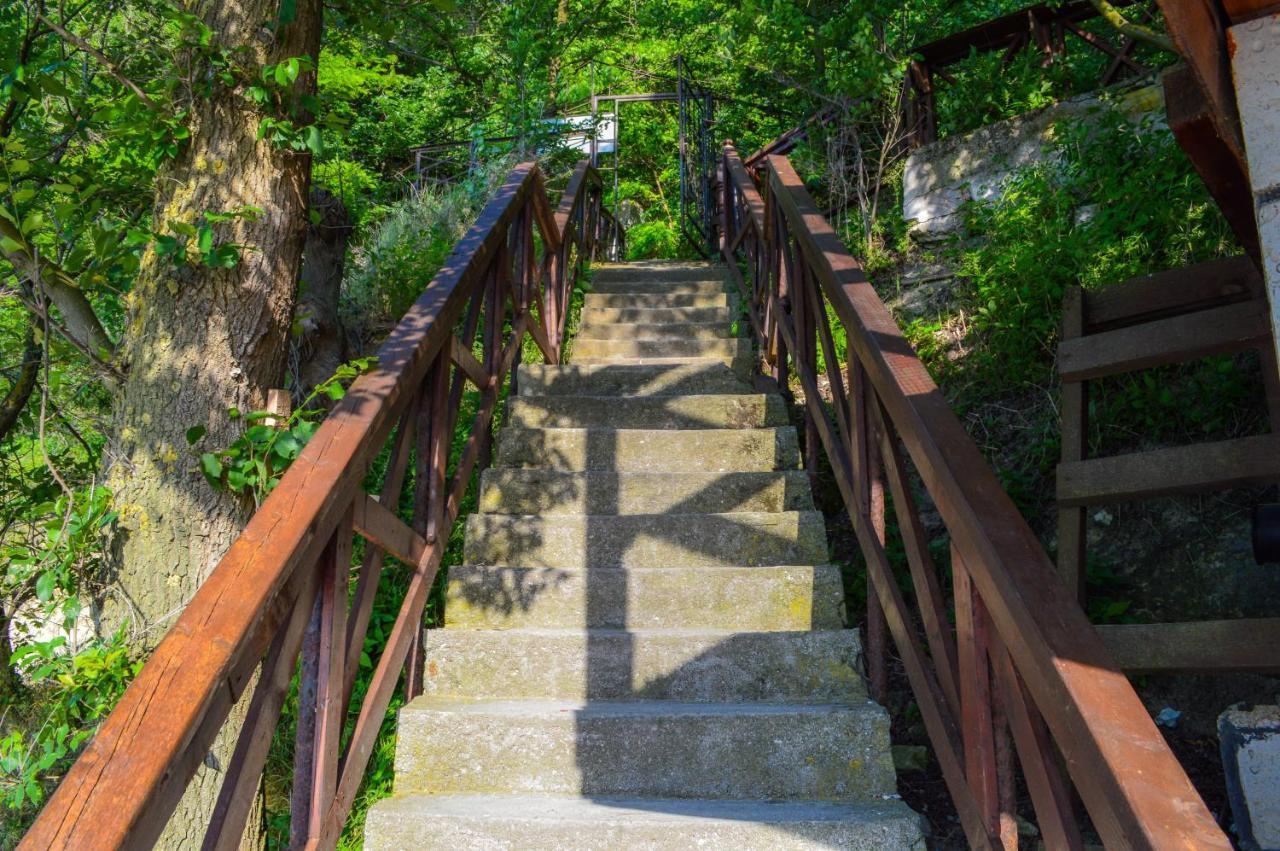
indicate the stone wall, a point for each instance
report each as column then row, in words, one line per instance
column 976, row 166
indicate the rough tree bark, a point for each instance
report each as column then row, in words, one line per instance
column 200, row 341
column 323, row 344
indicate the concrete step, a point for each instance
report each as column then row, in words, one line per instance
column 741, row 365
column 646, row 540
column 595, row 316
column 652, row 300
column 760, row 598
column 700, row 378
column 538, row 823
column 661, row 271
column 757, row 410
column 706, row 284
column 814, row 666
column 731, row 751
column 649, row 450
column 728, row 348
column 599, row 330
column 508, row 491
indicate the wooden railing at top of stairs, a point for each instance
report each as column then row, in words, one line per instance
column 1022, row 662
column 281, row 589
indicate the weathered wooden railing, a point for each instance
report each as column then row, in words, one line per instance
column 1022, row 663
column 281, row 590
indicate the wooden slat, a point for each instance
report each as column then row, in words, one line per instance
column 1222, row 169
column 381, row 527
column 1072, row 521
column 1179, row 338
column 1249, row 645
column 1050, row 794
column 467, row 362
column 1088, row 703
column 975, row 694
column 1160, row 472
column 1155, row 296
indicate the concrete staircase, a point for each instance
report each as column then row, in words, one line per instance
column 644, row 647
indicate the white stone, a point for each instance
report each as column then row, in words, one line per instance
column 1251, row 755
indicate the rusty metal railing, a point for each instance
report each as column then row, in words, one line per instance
column 1022, row 672
column 281, row 590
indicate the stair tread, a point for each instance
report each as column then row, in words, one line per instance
column 541, row 707
column 547, row 807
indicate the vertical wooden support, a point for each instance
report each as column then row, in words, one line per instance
column 877, row 626
column 320, row 692
column 330, row 712
column 1006, row 783
column 1073, row 521
column 975, row 694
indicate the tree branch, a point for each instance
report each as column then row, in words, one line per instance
column 1127, row 27
column 20, row 393
column 82, row 322
column 79, row 43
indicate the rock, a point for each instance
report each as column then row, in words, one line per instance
column 1250, row 740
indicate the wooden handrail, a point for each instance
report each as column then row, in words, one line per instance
column 1023, row 660
column 281, row 587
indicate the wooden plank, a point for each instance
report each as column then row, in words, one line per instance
column 1096, row 718
column 122, row 789
column 1222, row 169
column 924, row 575
column 1171, row 292
column 467, row 362
column 1249, row 645
column 1072, row 520
column 1050, row 793
column 376, row 523
column 330, row 712
column 1215, row 331
column 976, row 721
column 1180, row 469
column 1198, row 31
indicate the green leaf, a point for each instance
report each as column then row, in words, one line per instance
column 211, row 467
column 45, row 584
column 313, row 140
column 335, row 391
column 194, row 434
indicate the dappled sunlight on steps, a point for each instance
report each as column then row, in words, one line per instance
column 645, row 646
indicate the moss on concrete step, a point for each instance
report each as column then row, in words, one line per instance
column 507, row 491
column 811, row 666
column 703, row 377
column 539, row 823
column 606, row 330
column 763, row 598
column 646, row 540
column 676, row 412
column 726, row 751
column 649, row 450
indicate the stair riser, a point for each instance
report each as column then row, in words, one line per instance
column 626, row 380
column 504, row 491
column 649, row 273
column 634, row 450
column 728, row 349
column 797, row 667
column 652, row 300
column 697, row 286
column 727, row 540
column 655, row 315
column 826, row 754
column 605, row 330
column 730, row 598
column 393, row 826
column 681, row 412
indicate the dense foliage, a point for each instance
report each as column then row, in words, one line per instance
column 97, row 98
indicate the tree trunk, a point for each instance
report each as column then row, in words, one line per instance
column 200, row 341
column 322, row 346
